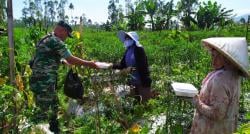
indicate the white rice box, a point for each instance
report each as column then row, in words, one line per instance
column 184, row 89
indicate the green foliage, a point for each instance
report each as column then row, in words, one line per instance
column 2, row 11
column 164, row 15
column 116, row 15
column 244, row 129
column 151, row 7
column 3, row 55
column 13, row 108
column 187, row 8
column 211, row 14
column 136, row 17
column 172, row 55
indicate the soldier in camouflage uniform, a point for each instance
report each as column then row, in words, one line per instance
column 49, row 51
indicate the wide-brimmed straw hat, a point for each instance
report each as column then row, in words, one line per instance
column 133, row 35
column 233, row 48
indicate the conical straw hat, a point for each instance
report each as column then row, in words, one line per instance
column 133, row 35
column 233, row 48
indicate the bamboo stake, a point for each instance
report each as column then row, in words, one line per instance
column 11, row 42
column 11, row 55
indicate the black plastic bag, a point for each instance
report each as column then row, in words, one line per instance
column 73, row 87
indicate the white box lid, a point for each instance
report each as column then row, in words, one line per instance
column 184, row 89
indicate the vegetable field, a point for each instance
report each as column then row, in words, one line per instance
column 173, row 55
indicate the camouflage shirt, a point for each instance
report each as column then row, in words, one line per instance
column 49, row 51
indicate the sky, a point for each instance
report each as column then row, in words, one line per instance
column 97, row 10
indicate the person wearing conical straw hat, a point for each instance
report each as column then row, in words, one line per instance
column 217, row 104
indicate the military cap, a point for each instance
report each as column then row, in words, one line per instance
column 66, row 26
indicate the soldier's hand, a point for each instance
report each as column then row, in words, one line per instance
column 103, row 65
column 65, row 62
column 94, row 65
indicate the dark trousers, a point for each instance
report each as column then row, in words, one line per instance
column 142, row 94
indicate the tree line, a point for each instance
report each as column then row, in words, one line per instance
column 129, row 15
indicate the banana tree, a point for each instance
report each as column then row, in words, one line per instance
column 164, row 14
column 186, row 9
column 211, row 14
column 136, row 17
column 151, row 7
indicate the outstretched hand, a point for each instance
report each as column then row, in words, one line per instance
column 103, row 65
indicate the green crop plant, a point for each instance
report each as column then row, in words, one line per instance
column 172, row 56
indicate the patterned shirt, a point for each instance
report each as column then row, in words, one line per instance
column 49, row 52
column 217, row 111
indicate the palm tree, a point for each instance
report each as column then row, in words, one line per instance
column 113, row 12
column 60, row 9
column 71, row 7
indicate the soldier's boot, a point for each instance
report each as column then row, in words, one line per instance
column 54, row 126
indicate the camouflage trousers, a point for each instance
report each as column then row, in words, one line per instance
column 46, row 106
